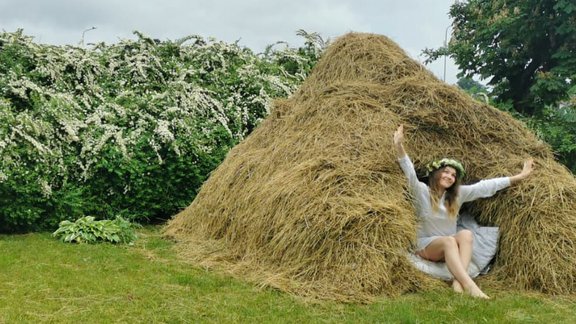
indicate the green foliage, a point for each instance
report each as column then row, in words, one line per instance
column 526, row 48
column 471, row 86
column 475, row 89
column 130, row 129
column 89, row 230
column 557, row 126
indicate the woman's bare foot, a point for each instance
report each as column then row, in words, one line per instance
column 476, row 292
column 457, row 286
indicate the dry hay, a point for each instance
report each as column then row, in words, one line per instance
column 313, row 202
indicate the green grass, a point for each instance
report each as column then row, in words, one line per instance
column 45, row 280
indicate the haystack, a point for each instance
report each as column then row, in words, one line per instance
column 313, row 202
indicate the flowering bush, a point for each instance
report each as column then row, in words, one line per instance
column 130, row 129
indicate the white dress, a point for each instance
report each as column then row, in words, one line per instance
column 434, row 224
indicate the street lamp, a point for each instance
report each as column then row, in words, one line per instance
column 446, row 43
column 84, row 32
column 445, row 48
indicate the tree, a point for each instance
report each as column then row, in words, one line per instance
column 525, row 48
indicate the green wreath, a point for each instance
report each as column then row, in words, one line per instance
column 435, row 165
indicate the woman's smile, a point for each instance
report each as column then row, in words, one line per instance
column 447, row 177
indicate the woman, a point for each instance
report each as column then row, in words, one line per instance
column 437, row 206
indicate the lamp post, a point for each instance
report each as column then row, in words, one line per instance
column 84, row 32
column 446, row 42
column 445, row 48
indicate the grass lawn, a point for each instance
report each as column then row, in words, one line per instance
column 45, row 280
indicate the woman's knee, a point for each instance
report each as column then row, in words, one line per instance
column 437, row 250
column 464, row 237
column 449, row 242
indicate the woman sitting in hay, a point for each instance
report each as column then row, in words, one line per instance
column 437, row 205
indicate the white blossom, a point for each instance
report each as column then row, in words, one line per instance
column 163, row 131
column 45, row 188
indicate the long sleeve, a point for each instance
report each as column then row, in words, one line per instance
column 482, row 189
column 418, row 189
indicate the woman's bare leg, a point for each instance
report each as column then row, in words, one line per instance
column 464, row 239
column 446, row 249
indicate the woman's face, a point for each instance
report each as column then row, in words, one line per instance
column 447, row 177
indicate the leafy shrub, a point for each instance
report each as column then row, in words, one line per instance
column 557, row 126
column 89, row 230
column 130, row 129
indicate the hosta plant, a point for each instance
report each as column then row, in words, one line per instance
column 89, row 230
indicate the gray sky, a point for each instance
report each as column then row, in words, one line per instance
column 413, row 24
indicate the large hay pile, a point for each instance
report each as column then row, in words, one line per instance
column 313, row 202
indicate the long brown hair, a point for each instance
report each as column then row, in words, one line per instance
column 450, row 197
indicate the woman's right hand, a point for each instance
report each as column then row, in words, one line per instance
column 399, row 135
column 398, row 139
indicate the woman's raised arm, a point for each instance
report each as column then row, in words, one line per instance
column 398, row 139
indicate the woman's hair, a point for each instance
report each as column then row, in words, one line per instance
column 451, row 195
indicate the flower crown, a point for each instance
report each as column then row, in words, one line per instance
column 435, row 165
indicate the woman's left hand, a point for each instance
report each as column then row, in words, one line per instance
column 526, row 170
column 528, row 167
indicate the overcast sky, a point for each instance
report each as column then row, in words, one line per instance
column 413, row 24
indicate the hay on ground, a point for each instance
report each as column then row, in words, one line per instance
column 313, row 202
